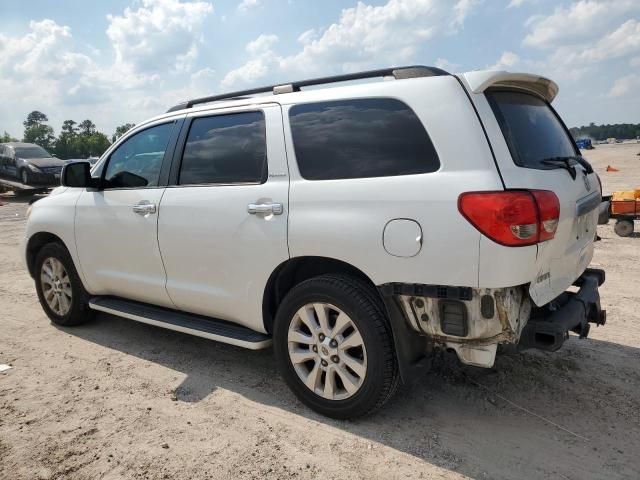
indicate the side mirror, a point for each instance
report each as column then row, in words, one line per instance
column 78, row 175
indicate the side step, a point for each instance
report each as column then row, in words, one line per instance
column 197, row 325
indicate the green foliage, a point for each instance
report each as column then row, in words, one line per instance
column 121, row 130
column 76, row 140
column 37, row 131
column 87, row 128
column 7, row 138
column 35, row 118
column 602, row 132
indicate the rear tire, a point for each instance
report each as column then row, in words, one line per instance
column 345, row 381
column 624, row 228
column 59, row 288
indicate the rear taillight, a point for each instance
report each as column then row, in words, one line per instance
column 549, row 212
column 514, row 217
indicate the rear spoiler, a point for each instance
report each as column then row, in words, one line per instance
column 480, row 81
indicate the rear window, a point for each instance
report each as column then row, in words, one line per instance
column 358, row 138
column 531, row 128
column 225, row 149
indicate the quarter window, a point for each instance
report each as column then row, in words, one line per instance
column 136, row 163
column 225, row 149
column 358, row 138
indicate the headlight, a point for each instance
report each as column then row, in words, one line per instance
column 33, row 168
column 29, row 211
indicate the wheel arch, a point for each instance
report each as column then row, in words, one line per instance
column 296, row 270
column 35, row 243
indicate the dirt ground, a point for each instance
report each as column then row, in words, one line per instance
column 118, row 399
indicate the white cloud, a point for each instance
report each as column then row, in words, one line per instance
column 582, row 20
column 518, row 3
column 43, row 53
column 623, row 41
column 635, row 62
column 629, row 84
column 462, row 9
column 245, row 5
column 308, row 36
column 445, row 64
column 363, row 37
column 248, row 73
column 506, row 60
column 160, row 36
column 261, row 44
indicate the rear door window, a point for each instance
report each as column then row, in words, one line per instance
column 359, row 138
column 225, row 149
column 532, row 130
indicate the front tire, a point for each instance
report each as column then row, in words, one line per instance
column 334, row 347
column 60, row 291
column 24, row 176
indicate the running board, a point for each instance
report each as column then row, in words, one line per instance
column 191, row 324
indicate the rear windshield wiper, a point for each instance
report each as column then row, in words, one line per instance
column 561, row 162
column 566, row 159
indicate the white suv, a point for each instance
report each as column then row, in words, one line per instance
column 356, row 227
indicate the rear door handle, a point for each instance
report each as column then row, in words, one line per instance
column 144, row 208
column 268, row 208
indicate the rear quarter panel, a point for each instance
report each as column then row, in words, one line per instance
column 345, row 219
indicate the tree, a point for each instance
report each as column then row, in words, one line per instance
column 66, row 140
column 121, row 130
column 37, row 131
column 97, row 143
column 602, row 132
column 7, row 138
column 87, row 128
column 69, row 127
column 35, row 118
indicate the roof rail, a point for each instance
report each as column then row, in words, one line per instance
column 398, row 73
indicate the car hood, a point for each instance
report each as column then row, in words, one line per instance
column 45, row 162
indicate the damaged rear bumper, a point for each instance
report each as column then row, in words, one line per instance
column 549, row 326
column 474, row 321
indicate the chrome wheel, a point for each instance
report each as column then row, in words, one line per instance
column 56, row 286
column 327, row 351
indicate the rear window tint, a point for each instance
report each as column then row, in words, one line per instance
column 358, row 138
column 225, row 149
column 531, row 128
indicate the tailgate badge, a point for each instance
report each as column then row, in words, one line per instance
column 543, row 277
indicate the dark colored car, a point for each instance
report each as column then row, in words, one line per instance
column 30, row 164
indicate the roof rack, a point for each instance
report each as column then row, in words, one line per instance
column 398, row 73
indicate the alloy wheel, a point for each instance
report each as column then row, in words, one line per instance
column 327, row 351
column 56, row 286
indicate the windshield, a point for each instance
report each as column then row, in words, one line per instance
column 32, row 152
column 533, row 131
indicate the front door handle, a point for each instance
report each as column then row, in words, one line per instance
column 267, row 208
column 144, row 208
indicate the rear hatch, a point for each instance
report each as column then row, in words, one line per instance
column 533, row 150
column 547, row 159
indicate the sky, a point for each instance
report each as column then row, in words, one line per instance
column 127, row 60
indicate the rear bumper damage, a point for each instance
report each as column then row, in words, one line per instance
column 549, row 326
column 474, row 321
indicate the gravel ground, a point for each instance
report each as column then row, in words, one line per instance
column 118, row 399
